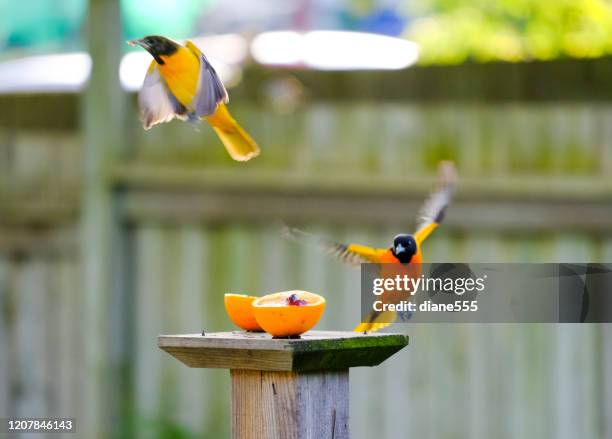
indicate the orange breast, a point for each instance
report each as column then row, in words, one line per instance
column 181, row 71
column 388, row 258
column 412, row 270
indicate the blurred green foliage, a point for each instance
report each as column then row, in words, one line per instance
column 455, row 31
column 40, row 22
column 361, row 6
column 448, row 31
column 173, row 18
column 159, row 427
column 56, row 25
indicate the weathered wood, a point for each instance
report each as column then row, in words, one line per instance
column 540, row 212
column 29, row 338
column 316, row 350
column 193, row 408
column 5, row 326
column 289, row 405
column 286, row 388
column 397, row 210
column 36, row 241
column 562, row 79
column 605, row 337
column 539, row 82
column 42, row 210
column 103, row 298
column 143, row 177
column 540, row 169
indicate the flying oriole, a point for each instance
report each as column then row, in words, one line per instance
column 180, row 82
column 406, row 249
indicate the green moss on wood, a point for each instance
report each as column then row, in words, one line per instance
column 367, row 342
column 345, row 353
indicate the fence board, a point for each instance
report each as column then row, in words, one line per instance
column 30, row 336
column 69, row 346
column 177, row 270
column 343, row 280
column 604, row 116
column 53, row 341
column 170, row 269
column 191, row 384
column 5, row 321
column 271, row 257
column 149, row 291
column 219, row 271
column 518, row 380
column 586, row 359
column 354, row 173
column 395, row 375
column 540, row 393
column 477, row 377
column 367, row 410
column 605, row 420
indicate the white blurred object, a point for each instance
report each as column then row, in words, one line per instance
column 70, row 72
column 132, row 70
column 225, row 53
column 284, row 48
column 134, row 66
column 334, row 50
column 51, row 73
column 323, row 50
column 226, row 48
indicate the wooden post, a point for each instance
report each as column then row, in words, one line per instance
column 104, row 106
column 286, row 388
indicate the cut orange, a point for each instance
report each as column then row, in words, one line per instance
column 240, row 310
column 288, row 313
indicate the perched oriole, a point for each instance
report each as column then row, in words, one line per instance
column 181, row 83
column 406, row 248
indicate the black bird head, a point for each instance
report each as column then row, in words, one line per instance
column 157, row 46
column 404, row 248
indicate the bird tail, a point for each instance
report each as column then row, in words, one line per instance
column 376, row 321
column 239, row 144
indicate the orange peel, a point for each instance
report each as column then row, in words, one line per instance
column 288, row 313
column 239, row 308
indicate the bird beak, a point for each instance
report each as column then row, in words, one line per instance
column 140, row 43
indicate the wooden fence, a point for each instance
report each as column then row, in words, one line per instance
column 536, row 186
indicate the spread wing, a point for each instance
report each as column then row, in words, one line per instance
column 211, row 91
column 375, row 321
column 432, row 212
column 157, row 104
column 352, row 254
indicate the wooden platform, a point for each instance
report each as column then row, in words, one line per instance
column 315, row 350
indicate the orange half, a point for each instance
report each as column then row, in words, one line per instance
column 239, row 308
column 282, row 316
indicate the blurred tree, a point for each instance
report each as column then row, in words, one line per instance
column 55, row 25
column 40, row 22
column 453, row 31
column 175, row 18
column 376, row 16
